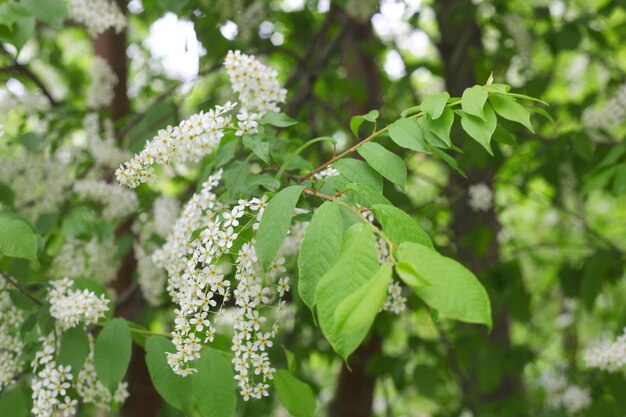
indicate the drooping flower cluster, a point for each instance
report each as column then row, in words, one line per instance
column 480, row 197
column 607, row 116
column 102, row 146
column 560, row 394
column 150, row 276
column 91, row 390
column 11, row 344
column 97, row 15
column 199, row 135
column 94, row 259
column 329, row 171
column 70, row 307
column 607, row 355
column 395, row 301
column 103, row 80
column 117, row 202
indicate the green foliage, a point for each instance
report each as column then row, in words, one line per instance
column 408, row 134
column 214, row 385
column 74, row 349
column 296, row 396
column 17, row 239
column 435, row 105
column 112, row 351
column 357, row 121
column 399, row 227
column 386, row 163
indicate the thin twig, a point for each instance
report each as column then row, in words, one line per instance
column 21, row 289
column 17, row 67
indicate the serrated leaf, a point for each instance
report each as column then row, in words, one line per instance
column 473, row 101
column 319, row 250
column 399, row 227
column 507, row 107
column 357, row 121
column 277, row 119
column 112, row 351
column 479, row 129
column 356, row 264
column 296, row 396
column 359, row 172
column 358, row 311
column 17, row 239
column 174, row 389
column 214, row 385
column 453, row 289
column 408, row 134
column 275, row 224
column 434, row 105
column 386, row 163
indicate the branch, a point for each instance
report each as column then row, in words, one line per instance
column 21, row 289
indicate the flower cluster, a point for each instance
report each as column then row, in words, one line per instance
column 91, row 390
column 560, row 394
column 11, row 345
column 94, row 259
column 199, row 135
column 607, row 355
column 71, row 307
column 329, row 171
column 395, row 301
column 255, row 83
column 117, row 202
column 97, row 15
column 103, row 81
column 612, row 113
column 102, row 147
column 480, row 197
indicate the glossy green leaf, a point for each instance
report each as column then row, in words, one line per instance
column 74, row 349
column 388, row 164
column 17, row 239
column 277, row 119
column 319, row 250
column 408, row 134
column 399, row 227
column 296, row 396
column 441, row 126
column 357, row 121
column 481, row 130
column 214, row 385
column 112, row 352
column 507, row 107
column 356, row 264
column 174, row 389
column 453, row 289
column 473, row 101
column 275, row 223
column 358, row 311
column 434, row 105
column 359, row 172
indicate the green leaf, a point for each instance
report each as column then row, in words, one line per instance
column 17, row 239
column 410, row 111
column 32, row 141
column 143, row 126
column 357, row 121
column 319, row 250
column 237, row 178
column 441, row 127
column 22, row 27
column 453, row 289
column 214, row 385
column 174, row 389
column 301, row 148
column 450, row 161
column 363, row 196
column 359, row 172
column 388, row 164
column 473, row 101
column 74, row 349
column 507, row 107
column 226, row 151
column 53, row 12
column 399, row 227
column 258, row 144
column 14, row 402
column 356, row 264
column 358, row 311
column 410, row 276
column 480, row 130
column 434, row 105
column 296, row 396
column 112, row 352
column 278, row 120
column 275, row 224
column 408, row 134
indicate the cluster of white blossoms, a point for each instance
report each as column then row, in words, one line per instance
column 103, row 80
column 95, row 260
column 521, row 36
column 607, row 355
column 11, row 345
column 117, row 202
column 395, row 301
column 69, row 307
column 607, row 116
column 102, row 147
column 561, row 394
column 480, row 197
column 150, row 276
column 97, row 15
column 42, row 180
column 199, row 135
column 91, row 390
column 329, row 171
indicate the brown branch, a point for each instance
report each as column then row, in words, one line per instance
column 21, row 289
column 23, row 69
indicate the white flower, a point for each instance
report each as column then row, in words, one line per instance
column 97, row 15
column 607, row 355
column 103, row 80
column 480, row 197
column 71, row 307
column 117, row 202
